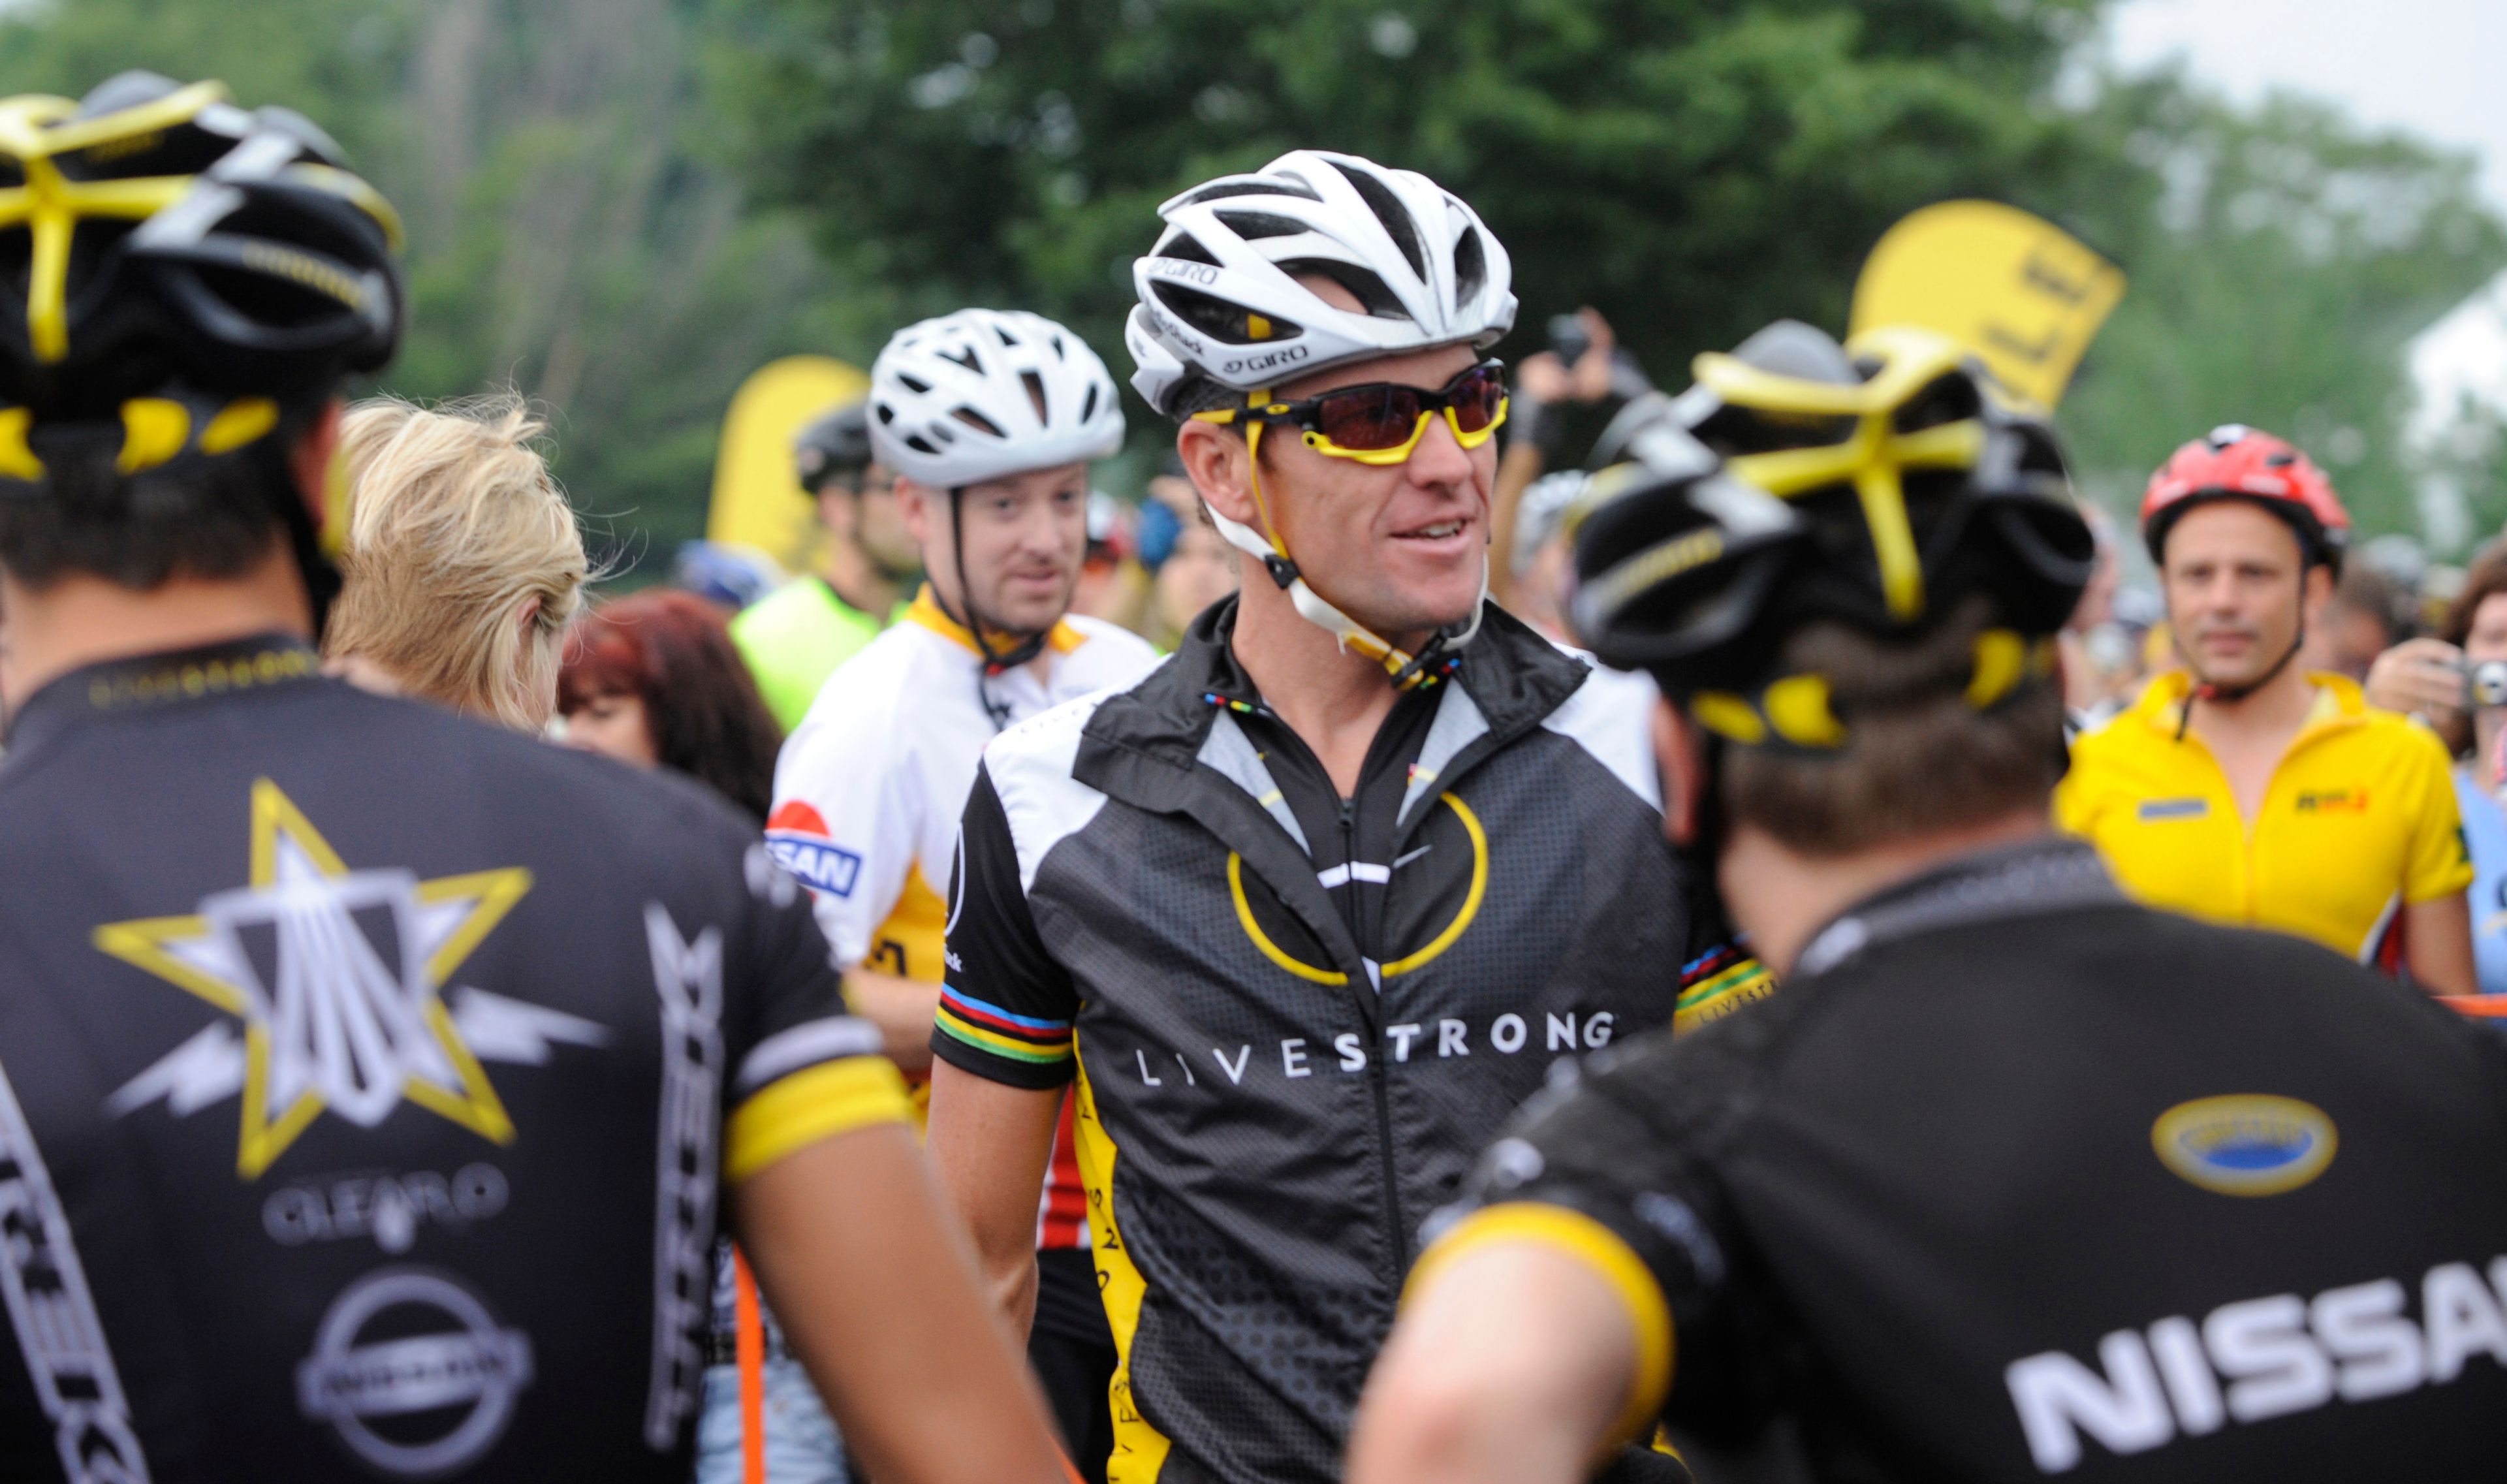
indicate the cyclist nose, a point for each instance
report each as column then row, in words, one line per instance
column 1439, row 459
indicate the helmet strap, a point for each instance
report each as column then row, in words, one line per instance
column 1435, row 659
column 1030, row 642
column 2205, row 690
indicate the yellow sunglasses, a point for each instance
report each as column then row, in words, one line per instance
column 1383, row 421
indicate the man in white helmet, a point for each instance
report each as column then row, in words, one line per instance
column 990, row 420
column 1307, row 911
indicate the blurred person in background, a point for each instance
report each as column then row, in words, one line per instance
column 991, row 420
column 731, row 575
column 1540, row 557
column 1114, row 581
column 2249, row 790
column 2368, row 614
column 794, row 638
column 1561, row 398
column 464, row 564
column 2086, row 671
column 652, row 679
column 2457, row 681
column 1190, row 566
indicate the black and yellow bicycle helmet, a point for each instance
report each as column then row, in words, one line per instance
column 1878, row 483
column 180, row 280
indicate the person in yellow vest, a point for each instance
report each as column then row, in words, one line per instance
column 2244, row 790
column 794, row 638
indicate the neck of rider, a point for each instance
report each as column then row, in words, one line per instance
column 1781, row 896
column 847, row 567
column 79, row 620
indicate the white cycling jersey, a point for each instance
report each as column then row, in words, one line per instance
column 870, row 785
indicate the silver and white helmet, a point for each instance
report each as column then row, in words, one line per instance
column 1219, row 299
column 954, row 401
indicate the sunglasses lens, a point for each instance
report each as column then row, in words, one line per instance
column 1476, row 398
column 1369, row 418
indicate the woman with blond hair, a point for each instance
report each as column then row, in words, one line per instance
column 464, row 563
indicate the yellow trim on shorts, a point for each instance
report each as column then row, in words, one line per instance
column 816, row 1102
column 1601, row 1251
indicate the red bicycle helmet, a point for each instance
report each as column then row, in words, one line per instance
column 2237, row 462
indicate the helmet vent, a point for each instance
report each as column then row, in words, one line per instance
column 1388, row 211
column 1059, row 353
column 1471, row 268
column 920, row 445
column 1269, row 185
column 1373, row 294
column 914, row 385
column 1184, row 245
column 1036, row 395
column 1216, row 317
column 976, row 419
column 1088, row 404
column 965, row 355
column 1257, row 225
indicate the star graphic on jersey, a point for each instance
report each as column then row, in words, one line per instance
column 336, row 976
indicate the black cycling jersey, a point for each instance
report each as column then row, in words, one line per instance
column 2014, row 1179
column 1297, row 1022
column 369, row 1082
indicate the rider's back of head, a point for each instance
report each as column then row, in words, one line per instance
column 197, row 281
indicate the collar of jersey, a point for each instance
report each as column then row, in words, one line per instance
column 926, row 611
column 165, row 678
column 2051, row 873
column 2338, row 702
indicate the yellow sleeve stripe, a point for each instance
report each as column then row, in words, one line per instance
column 1600, row 1251
column 815, row 1102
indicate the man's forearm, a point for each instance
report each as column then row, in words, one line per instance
column 871, row 1281
column 901, row 1008
column 1508, row 1368
column 2437, row 946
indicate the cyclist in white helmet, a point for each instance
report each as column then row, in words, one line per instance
column 1306, row 911
column 990, row 419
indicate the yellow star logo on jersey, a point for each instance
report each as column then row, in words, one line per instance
column 337, row 977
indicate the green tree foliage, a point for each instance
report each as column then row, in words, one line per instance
column 1695, row 167
column 571, row 232
column 623, row 207
column 2280, row 260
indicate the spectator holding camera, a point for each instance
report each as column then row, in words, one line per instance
column 2457, row 681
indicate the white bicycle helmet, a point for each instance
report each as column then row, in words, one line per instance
column 1220, row 302
column 954, row 401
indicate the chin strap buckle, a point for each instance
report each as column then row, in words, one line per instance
column 1283, row 571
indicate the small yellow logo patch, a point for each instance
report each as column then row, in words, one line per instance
column 2246, row 1143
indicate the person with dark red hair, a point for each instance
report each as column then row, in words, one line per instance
column 653, row 679
column 2246, row 788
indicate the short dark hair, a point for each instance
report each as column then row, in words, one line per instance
column 212, row 517
column 1919, row 758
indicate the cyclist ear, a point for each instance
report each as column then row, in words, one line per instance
column 1217, row 461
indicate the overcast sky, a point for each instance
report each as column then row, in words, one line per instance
column 2436, row 68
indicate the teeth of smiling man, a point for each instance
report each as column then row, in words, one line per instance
column 1440, row 532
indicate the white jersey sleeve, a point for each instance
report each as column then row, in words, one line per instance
column 849, row 813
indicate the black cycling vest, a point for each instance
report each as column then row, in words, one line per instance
column 2014, row 1180
column 362, row 1079
column 1280, row 1081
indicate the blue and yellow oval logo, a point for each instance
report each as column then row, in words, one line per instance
column 2246, row 1143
